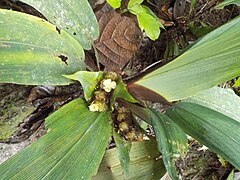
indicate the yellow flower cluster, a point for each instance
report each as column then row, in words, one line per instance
column 126, row 125
column 97, row 106
column 101, row 95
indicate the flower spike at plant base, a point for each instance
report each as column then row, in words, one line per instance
column 100, row 100
column 125, row 126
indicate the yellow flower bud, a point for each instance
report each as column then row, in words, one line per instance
column 111, row 75
column 97, row 106
column 100, row 95
column 121, row 117
column 123, row 126
column 134, row 135
column 122, row 110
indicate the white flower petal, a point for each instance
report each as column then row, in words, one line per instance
column 107, row 82
column 113, row 85
column 108, row 85
column 93, row 107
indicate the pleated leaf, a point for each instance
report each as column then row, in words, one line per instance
column 88, row 80
column 123, row 149
column 33, row 52
column 222, row 100
column 74, row 16
column 172, row 141
column 212, row 60
column 217, row 131
column 72, row 148
column 145, row 163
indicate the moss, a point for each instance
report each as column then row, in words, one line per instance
column 13, row 108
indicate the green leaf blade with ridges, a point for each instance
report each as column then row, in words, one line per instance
column 224, row 101
column 123, row 149
column 74, row 16
column 218, row 132
column 34, row 53
column 211, row 61
column 171, row 140
column 144, row 163
column 72, row 148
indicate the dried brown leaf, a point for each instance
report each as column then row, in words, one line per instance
column 118, row 41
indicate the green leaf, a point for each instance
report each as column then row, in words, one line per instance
column 34, row 53
column 172, row 141
column 147, row 22
column 231, row 175
column 114, row 3
column 224, row 101
column 218, row 132
column 131, row 3
column 121, row 92
column 72, row 148
column 150, row 25
column 200, row 31
column 221, row 5
column 212, row 60
column 145, row 163
column 193, row 3
column 123, row 148
column 149, row 11
column 88, row 80
column 137, row 9
column 74, row 16
column 237, row 83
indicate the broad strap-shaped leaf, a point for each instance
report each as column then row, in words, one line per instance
column 212, row 60
column 88, row 80
column 224, row 3
column 172, row 141
column 123, row 149
column 224, row 101
column 218, row 132
column 72, row 148
column 145, row 163
column 74, row 16
column 34, row 52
